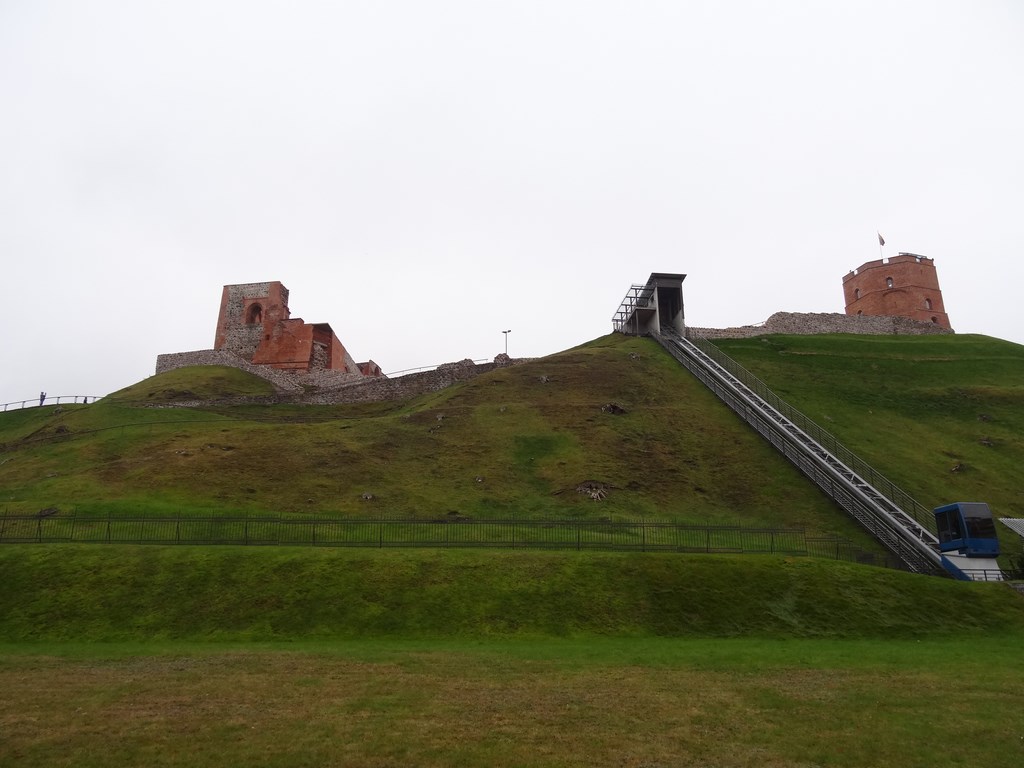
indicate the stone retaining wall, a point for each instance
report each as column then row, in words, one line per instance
column 824, row 322
column 375, row 389
column 284, row 382
column 332, row 387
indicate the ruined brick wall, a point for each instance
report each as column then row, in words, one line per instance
column 256, row 324
column 243, row 341
column 262, row 303
column 320, row 359
column 341, row 360
column 289, row 346
column 825, row 322
column 906, row 285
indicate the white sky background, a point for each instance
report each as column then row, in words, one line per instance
column 423, row 175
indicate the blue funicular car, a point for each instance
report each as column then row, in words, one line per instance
column 967, row 527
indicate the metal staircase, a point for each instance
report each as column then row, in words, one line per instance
column 889, row 514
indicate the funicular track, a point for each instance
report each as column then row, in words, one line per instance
column 895, row 526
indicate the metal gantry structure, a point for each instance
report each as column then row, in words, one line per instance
column 898, row 530
column 639, row 296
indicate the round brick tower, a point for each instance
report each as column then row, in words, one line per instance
column 902, row 286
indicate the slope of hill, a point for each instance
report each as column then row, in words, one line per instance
column 941, row 416
column 487, row 657
column 142, row 593
column 513, row 442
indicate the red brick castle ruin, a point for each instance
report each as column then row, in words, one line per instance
column 305, row 362
column 902, row 286
column 256, row 324
column 898, row 295
column 256, row 333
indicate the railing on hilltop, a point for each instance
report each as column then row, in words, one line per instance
column 37, row 402
column 642, row 536
column 924, row 516
column 422, row 368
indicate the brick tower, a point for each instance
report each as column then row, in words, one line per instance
column 256, row 324
column 902, row 286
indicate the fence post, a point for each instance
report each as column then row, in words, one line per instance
column 643, row 535
column 39, row 530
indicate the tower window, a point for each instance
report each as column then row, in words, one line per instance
column 856, row 293
column 254, row 314
column 888, row 282
column 927, row 303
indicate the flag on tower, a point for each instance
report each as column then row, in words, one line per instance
column 881, row 240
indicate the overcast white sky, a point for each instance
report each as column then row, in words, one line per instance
column 423, row 175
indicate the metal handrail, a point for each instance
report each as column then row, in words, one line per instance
column 429, row 368
column 898, row 530
column 37, row 402
column 830, row 442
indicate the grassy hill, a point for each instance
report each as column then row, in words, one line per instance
column 516, row 443
column 941, row 416
column 513, row 442
column 284, row 656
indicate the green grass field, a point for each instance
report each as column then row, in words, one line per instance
column 638, row 702
column 206, row 656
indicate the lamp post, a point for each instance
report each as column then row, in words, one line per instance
column 506, row 339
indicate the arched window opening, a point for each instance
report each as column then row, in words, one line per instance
column 927, row 303
column 888, row 282
column 935, row 320
column 860, row 311
column 254, row 314
column 856, row 293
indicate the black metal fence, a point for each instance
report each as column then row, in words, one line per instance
column 640, row 536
